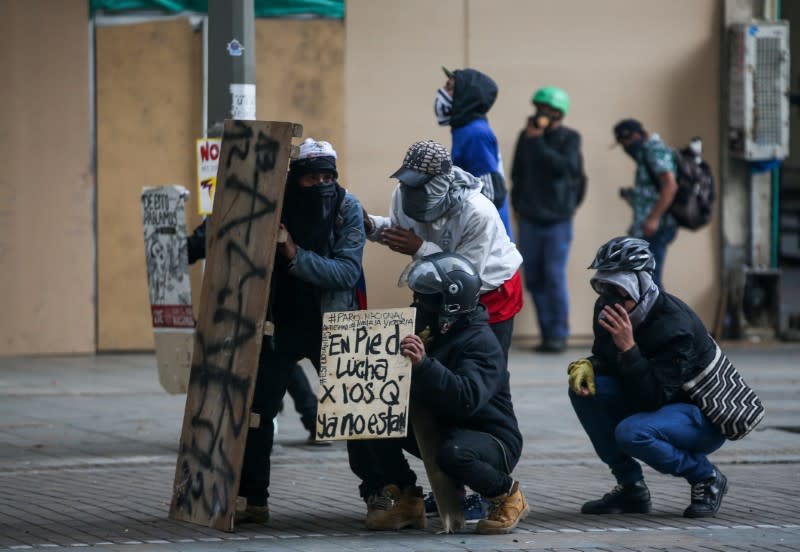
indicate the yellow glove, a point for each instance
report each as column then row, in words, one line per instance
column 581, row 377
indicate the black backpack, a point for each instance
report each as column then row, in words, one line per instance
column 694, row 201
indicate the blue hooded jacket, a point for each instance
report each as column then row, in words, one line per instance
column 475, row 147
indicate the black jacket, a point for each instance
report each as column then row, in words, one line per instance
column 474, row 95
column 464, row 381
column 672, row 346
column 547, row 176
column 196, row 243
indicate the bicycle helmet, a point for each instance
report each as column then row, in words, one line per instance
column 624, row 254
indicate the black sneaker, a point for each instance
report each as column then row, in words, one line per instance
column 707, row 496
column 431, row 509
column 551, row 346
column 623, row 499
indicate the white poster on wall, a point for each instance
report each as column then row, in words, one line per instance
column 243, row 101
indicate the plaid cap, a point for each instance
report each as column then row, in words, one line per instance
column 424, row 160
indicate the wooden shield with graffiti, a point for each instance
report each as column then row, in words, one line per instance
column 242, row 234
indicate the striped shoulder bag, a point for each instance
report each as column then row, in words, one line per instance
column 723, row 396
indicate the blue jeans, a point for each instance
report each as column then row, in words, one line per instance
column 674, row 439
column 545, row 249
column 658, row 246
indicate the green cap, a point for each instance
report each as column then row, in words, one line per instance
column 555, row 97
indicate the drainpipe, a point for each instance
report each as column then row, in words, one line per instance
column 776, row 188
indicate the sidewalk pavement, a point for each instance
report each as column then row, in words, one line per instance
column 88, row 448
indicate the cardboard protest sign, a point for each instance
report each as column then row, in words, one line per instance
column 364, row 380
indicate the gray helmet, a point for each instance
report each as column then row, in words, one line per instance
column 625, row 254
column 450, row 280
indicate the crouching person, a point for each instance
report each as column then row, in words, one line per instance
column 643, row 394
column 459, row 373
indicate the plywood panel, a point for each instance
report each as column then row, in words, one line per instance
column 616, row 58
column 148, row 116
column 46, row 245
column 150, row 113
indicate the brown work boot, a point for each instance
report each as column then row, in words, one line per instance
column 252, row 514
column 505, row 512
column 395, row 509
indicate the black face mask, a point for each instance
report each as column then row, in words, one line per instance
column 633, row 148
column 612, row 297
column 428, row 308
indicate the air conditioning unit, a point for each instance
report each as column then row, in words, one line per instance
column 759, row 90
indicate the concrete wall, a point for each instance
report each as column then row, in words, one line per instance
column 617, row 58
column 46, row 244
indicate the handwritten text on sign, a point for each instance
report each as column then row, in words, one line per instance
column 364, row 380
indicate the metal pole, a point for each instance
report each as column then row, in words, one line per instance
column 231, row 62
column 204, row 26
column 752, row 220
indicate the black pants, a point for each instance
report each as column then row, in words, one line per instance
column 305, row 401
column 469, row 457
column 503, row 331
column 274, row 372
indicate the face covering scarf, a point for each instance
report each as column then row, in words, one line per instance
column 638, row 285
column 443, row 107
column 308, row 214
column 634, row 148
column 431, row 201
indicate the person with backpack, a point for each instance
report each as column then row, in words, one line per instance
column 656, row 389
column 548, row 186
column 654, row 189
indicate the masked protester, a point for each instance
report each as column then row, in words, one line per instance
column 439, row 207
column 653, row 190
column 316, row 270
column 642, row 394
column 459, row 374
column 548, row 186
column 304, row 399
column 462, row 103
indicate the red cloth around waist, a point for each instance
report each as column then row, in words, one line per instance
column 504, row 302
